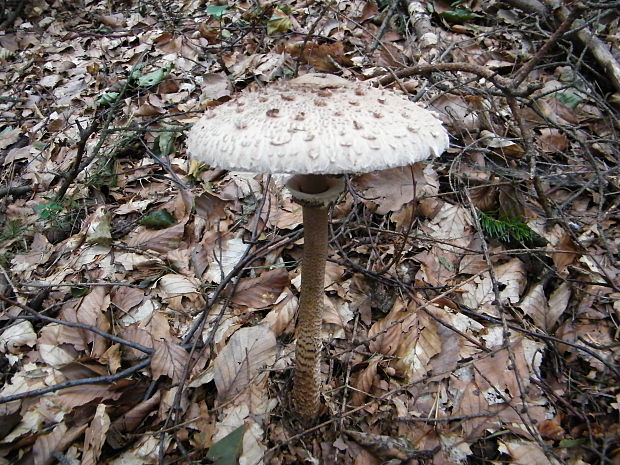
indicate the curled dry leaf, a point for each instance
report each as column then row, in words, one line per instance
column 128, row 422
column 16, row 337
column 364, row 381
column 126, row 298
column 95, row 435
column 419, row 343
column 282, row 314
column 223, row 258
column 385, row 334
column 58, row 440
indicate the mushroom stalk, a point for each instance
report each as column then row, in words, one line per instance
column 307, row 379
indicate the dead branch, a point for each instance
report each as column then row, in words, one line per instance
column 503, row 84
column 14, row 190
column 599, row 50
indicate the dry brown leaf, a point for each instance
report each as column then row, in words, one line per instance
column 161, row 240
column 437, row 266
column 169, row 359
column 91, row 306
column 245, row 355
column 112, row 357
column 535, row 305
column 526, row 453
column 563, row 260
column 480, row 295
column 282, row 314
column 385, row 334
column 364, row 381
column 56, row 441
column 223, row 258
column 38, row 253
column 326, row 58
column 126, row 298
column 50, row 345
column 81, row 395
column 552, row 140
column 211, row 207
column 128, row 422
column 95, row 436
column 16, row 337
column 138, row 335
column 261, row 292
column 389, row 190
column 419, row 343
column 551, row 429
column 178, row 291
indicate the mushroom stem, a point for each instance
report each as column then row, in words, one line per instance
column 307, row 379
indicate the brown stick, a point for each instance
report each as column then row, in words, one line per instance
column 307, row 379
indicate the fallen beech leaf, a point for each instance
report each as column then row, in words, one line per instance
column 56, row 441
column 17, row 336
column 170, row 360
column 94, row 436
column 364, row 381
column 128, row 422
column 245, row 355
column 161, row 240
column 389, row 190
column 324, row 57
column 261, row 292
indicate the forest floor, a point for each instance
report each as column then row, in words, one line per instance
column 472, row 307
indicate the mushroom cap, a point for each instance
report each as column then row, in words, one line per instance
column 317, row 123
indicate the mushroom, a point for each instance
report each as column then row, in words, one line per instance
column 315, row 126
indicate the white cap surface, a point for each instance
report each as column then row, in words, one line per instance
column 317, row 123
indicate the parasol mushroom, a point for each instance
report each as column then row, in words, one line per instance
column 315, row 127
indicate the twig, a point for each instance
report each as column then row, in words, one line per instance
column 38, row 316
column 523, row 73
column 384, row 25
column 545, row 337
column 14, row 190
column 502, row 83
column 78, row 382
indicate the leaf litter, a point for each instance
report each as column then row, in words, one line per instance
column 472, row 302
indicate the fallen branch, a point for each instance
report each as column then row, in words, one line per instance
column 14, row 190
column 503, row 84
column 599, row 50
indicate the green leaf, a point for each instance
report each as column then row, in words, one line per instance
column 572, row 442
column 449, row 266
column 155, row 77
column 227, row 450
column 108, row 99
column 217, row 11
column 459, row 15
column 47, row 210
column 279, row 23
column 568, row 98
column 164, row 143
column 159, row 219
column 79, row 291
